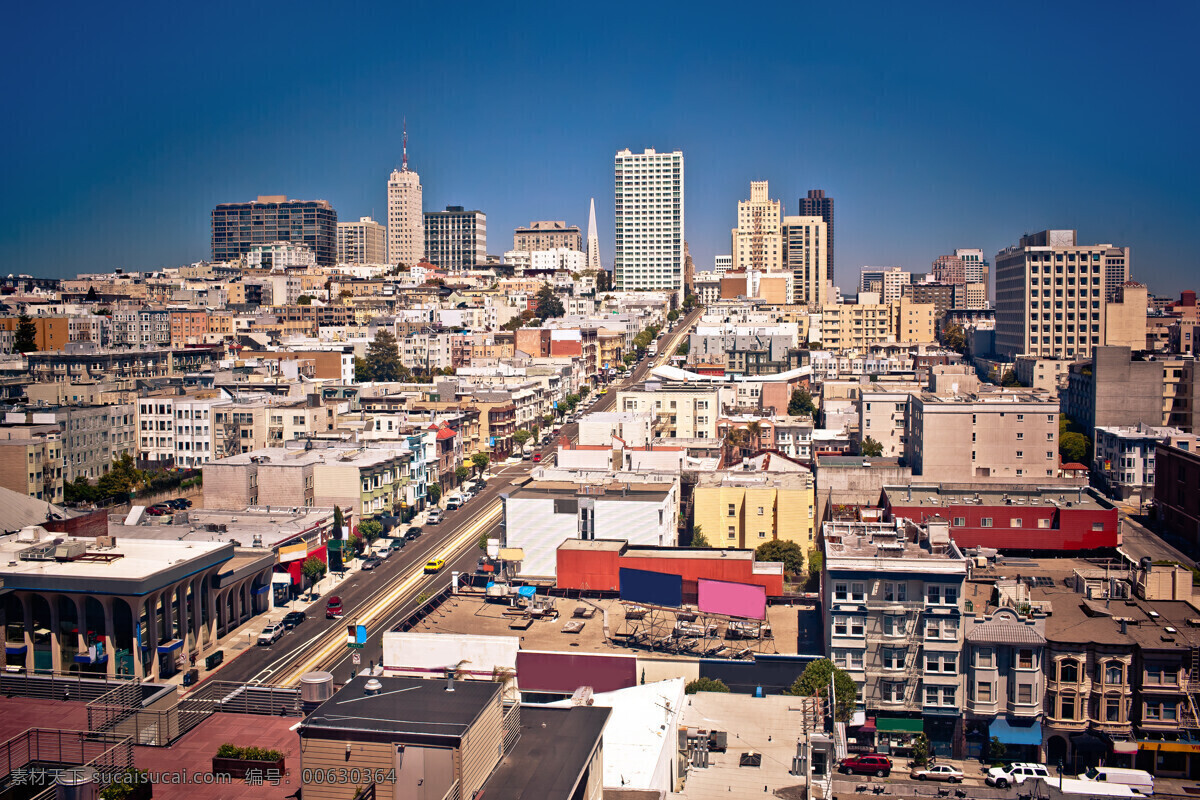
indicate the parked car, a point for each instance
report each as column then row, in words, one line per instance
column 867, row 764
column 435, row 517
column 270, row 634
column 1015, row 774
column 371, row 562
column 937, row 772
column 454, row 501
column 179, row 503
column 397, row 544
column 537, row 457
column 333, row 609
column 434, row 566
column 158, row 510
column 1137, row 779
column 412, row 534
column 293, row 618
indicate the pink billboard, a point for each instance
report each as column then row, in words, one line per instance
column 732, row 599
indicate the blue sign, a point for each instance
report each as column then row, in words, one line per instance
column 491, row 441
column 360, row 634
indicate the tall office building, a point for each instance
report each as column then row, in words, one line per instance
column 237, row 227
column 722, row 264
column 757, row 241
column 405, row 225
column 818, row 205
column 889, row 282
column 975, row 266
column 804, row 255
column 362, row 242
column 649, row 221
column 456, row 239
column 1050, row 295
column 593, row 241
column 548, row 235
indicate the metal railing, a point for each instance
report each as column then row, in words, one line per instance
column 512, row 725
column 239, row 698
column 107, row 753
column 455, row 792
column 49, row 685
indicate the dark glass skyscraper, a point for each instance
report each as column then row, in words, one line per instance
column 237, row 227
column 818, row 205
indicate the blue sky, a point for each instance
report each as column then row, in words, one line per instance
column 933, row 126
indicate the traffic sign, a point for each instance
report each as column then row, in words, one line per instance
column 356, row 659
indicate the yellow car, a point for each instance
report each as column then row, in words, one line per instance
column 434, row 566
column 604, row 390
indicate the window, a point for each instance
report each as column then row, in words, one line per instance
column 1097, row 526
column 932, row 695
column 893, row 658
column 933, row 594
column 986, row 522
column 760, row 511
column 1068, row 671
column 1015, row 522
column 1112, row 709
column 895, row 592
column 1161, row 675
column 732, row 510
column 858, row 592
column 1020, row 454
column 732, row 533
column 1044, row 522
column 983, row 691
column 960, row 521
column 1066, row 706
column 1025, row 693
column 1114, row 673
column 985, row 658
column 893, row 691
column 841, row 591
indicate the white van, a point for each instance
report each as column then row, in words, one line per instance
column 1137, row 779
column 454, row 501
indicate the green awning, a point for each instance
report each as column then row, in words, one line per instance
column 886, row 725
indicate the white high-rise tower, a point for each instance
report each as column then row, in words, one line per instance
column 406, row 224
column 593, row 241
column 649, row 221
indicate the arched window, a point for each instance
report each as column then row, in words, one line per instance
column 1068, row 671
column 1114, row 673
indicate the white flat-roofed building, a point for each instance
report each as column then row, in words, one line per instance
column 1124, row 458
column 649, row 190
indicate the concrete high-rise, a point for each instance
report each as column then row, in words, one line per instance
column 649, row 221
column 238, row 227
column 405, row 224
column 456, row 239
column 818, row 205
column 757, row 240
column 805, row 256
column 889, row 282
column 548, row 235
column 1050, row 294
column 593, row 240
column 362, row 242
column 722, row 264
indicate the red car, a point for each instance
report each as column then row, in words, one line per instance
column 333, row 609
column 867, row 764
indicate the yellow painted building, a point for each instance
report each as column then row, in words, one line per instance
column 747, row 509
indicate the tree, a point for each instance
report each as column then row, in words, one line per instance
column 512, row 324
column 706, row 685
column 584, row 391
column 1073, row 447
column 698, row 538
column 26, row 339
column 361, row 371
column 483, row 537
column 672, row 315
column 996, row 749
column 461, row 474
column 521, row 437
column 955, row 338
column 754, row 429
column 871, row 448
column 79, row 491
column 684, row 348
column 370, row 529
column 480, row 461
column 778, row 550
column 339, row 521
column 313, row 569
column 603, row 281
column 355, row 543
column 383, row 357
column 815, row 680
column 435, row 493
column 920, row 749
column 548, row 304
column 801, row 404
column 304, row 300
column 1009, row 378
column 816, row 562
column 121, row 479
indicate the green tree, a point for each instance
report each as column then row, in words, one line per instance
column 370, row 529
column 80, row 491
column 815, row 680
column 355, row 543
column 435, row 493
column 672, row 315
column 1009, row 378
column 997, row 750
column 1073, row 447
column 521, row 437
column 955, row 338
column 684, row 347
column 304, row 300
column 871, row 448
column 513, row 324
column 706, row 685
column 603, row 281
column 121, row 479
column 920, row 749
column 584, row 391
column 25, row 340
column 383, row 357
column 362, row 372
column 483, row 537
column 548, row 304
column 313, row 569
column 480, row 461
column 801, row 403
column 339, row 521
column 816, row 562
column 92, row 297
column 698, row 538
column 461, row 473
column 779, row 550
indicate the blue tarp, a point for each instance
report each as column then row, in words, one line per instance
column 527, row 591
column 1016, row 734
column 167, row 647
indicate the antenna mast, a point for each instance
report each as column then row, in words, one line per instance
column 404, row 162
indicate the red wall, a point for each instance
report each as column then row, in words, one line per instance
column 598, row 571
column 1070, row 528
column 565, row 348
column 565, row 672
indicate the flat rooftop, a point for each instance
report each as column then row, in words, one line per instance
column 887, row 540
column 947, row 495
column 737, row 478
column 275, row 524
column 550, row 758
column 360, row 456
column 634, row 492
column 412, row 706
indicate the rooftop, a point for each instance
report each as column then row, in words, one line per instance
column 884, row 542
column 631, row 492
column 274, row 525
column 552, row 755
column 947, row 495
column 404, row 706
column 757, row 479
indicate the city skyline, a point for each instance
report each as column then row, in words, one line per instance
column 920, row 159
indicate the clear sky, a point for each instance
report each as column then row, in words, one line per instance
column 932, row 126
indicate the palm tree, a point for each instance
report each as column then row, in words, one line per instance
column 755, row 429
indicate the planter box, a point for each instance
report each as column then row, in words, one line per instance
column 238, row 767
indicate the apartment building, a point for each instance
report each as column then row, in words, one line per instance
column 816, row 204
column 238, row 227
column 1118, row 388
column 893, row 600
column 1177, row 490
column 362, row 242
column 548, row 235
column 745, row 508
column 858, row 326
column 649, row 221
column 1125, row 457
column 807, row 254
column 31, row 461
column 756, row 241
column 1051, row 291
column 180, row 431
column 91, row 435
column 141, row 327
column 888, row 282
column 456, row 239
column 50, row 333
column 883, row 416
column 680, row 412
column 993, row 435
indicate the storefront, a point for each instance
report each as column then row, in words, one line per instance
column 1022, row 740
column 896, row 734
column 1173, row 755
